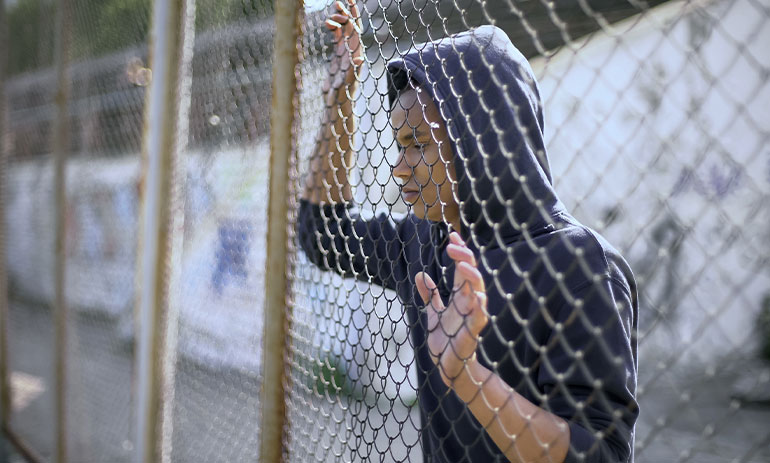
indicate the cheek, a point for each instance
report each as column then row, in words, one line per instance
column 435, row 166
column 444, row 176
column 420, row 171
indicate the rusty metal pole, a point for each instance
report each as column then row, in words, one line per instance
column 161, row 224
column 60, row 153
column 5, row 383
column 288, row 14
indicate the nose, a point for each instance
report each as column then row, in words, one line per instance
column 402, row 170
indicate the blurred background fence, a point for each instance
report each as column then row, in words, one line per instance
column 657, row 124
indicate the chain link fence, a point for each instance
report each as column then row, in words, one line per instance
column 645, row 121
column 33, row 386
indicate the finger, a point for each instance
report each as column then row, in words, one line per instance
column 352, row 14
column 480, row 316
column 356, row 27
column 455, row 238
column 342, row 8
column 460, row 253
column 470, row 274
column 428, row 291
column 332, row 25
column 340, row 19
column 354, row 9
column 338, row 22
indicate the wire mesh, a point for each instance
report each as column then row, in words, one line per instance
column 654, row 119
column 102, row 178
column 102, row 203
column 652, row 141
column 216, row 412
column 31, row 111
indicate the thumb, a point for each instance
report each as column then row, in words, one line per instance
column 428, row 291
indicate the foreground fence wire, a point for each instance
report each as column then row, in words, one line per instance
column 648, row 120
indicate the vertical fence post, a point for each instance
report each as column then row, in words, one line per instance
column 5, row 383
column 161, row 224
column 282, row 140
column 5, row 380
column 6, row 402
column 60, row 153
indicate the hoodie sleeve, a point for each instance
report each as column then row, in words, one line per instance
column 589, row 372
column 339, row 239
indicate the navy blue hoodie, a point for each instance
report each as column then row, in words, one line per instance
column 562, row 301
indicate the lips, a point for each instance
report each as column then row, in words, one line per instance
column 410, row 195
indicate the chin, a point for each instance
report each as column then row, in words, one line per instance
column 418, row 211
column 435, row 217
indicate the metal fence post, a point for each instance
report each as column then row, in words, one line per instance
column 282, row 123
column 60, row 152
column 5, row 384
column 161, row 224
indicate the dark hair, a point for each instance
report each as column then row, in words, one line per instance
column 398, row 81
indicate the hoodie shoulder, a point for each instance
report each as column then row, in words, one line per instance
column 595, row 257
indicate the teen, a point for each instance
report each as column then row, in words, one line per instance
column 522, row 320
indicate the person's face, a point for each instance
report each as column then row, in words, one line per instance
column 424, row 165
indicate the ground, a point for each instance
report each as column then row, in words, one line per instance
column 685, row 417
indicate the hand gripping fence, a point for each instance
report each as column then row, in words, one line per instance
column 515, row 231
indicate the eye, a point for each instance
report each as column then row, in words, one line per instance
column 418, row 146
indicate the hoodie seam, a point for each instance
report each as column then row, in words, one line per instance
column 620, row 283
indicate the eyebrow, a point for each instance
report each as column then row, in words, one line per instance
column 416, row 133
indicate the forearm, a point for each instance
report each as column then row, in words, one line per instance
column 327, row 178
column 521, row 429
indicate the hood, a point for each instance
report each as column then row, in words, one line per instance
column 489, row 99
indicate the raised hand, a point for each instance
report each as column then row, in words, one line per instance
column 453, row 331
column 348, row 55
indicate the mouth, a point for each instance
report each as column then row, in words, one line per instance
column 410, row 195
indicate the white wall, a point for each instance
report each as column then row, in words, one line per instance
column 667, row 117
